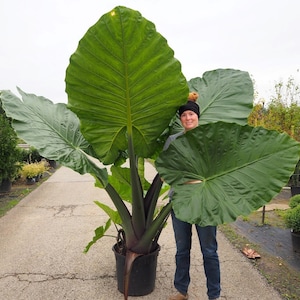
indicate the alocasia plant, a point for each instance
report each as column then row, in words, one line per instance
column 240, row 169
column 124, row 87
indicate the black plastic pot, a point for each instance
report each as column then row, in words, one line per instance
column 30, row 181
column 295, row 190
column 296, row 241
column 143, row 273
column 52, row 164
column 5, row 185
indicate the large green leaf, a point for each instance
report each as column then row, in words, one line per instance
column 122, row 78
column 52, row 129
column 224, row 95
column 120, row 180
column 241, row 169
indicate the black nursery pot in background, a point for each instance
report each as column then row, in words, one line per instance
column 295, row 190
column 5, row 186
column 296, row 241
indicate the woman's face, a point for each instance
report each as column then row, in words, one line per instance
column 189, row 120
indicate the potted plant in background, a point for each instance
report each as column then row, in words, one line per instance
column 292, row 220
column 32, row 172
column 124, row 87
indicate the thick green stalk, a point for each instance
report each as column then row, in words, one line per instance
column 138, row 211
column 124, row 214
column 145, row 243
column 151, row 199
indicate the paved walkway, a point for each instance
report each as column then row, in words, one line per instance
column 42, row 239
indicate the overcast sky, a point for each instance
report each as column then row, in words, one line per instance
column 259, row 36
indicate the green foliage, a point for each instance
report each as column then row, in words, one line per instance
column 130, row 72
column 292, row 215
column 282, row 113
column 53, row 130
column 294, row 201
column 34, row 169
column 281, row 117
column 9, row 153
column 288, row 92
column 99, row 233
column 231, row 181
column 292, row 218
column 31, row 155
column 218, row 102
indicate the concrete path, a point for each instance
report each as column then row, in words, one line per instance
column 42, row 241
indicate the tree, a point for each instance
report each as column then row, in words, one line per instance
column 283, row 112
column 9, row 154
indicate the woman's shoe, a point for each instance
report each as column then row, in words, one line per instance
column 179, row 296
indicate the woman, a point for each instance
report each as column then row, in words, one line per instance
column 189, row 117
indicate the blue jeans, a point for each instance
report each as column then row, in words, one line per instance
column 209, row 247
